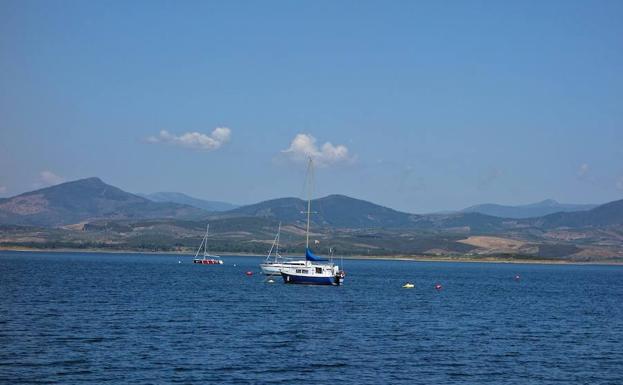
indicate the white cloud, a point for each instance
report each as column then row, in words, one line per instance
column 304, row 146
column 583, row 170
column 49, row 178
column 195, row 140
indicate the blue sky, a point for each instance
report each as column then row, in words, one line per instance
column 425, row 105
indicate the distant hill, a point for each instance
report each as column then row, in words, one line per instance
column 463, row 222
column 548, row 206
column 345, row 212
column 605, row 215
column 85, row 200
column 104, row 217
column 90, row 199
column 176, row 197
column 333, row 210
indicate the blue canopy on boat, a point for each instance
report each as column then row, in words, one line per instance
column 310, row 256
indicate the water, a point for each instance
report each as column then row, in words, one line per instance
column 147, row 319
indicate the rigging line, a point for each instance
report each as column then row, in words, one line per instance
column 321, row 218
column 203, row 240
column 275, row 245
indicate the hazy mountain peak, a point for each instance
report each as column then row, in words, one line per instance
column 545, row 207
column 332, row 210
column 181, row 198
column 84, row 199
column 548, row 202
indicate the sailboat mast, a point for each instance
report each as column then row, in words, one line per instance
column 205, row 244
column 309, row 188
column 277, row 243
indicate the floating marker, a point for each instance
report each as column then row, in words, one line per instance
column 408, row 285
column 438, row 286
column 249, row 273
column 270, row 281
column 517, row 277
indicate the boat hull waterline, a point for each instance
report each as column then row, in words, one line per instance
column 336, row 279
column 208, row 261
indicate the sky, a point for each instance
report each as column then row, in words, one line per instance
column 419, row 106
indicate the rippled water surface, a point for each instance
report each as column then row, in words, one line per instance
column 146, row 319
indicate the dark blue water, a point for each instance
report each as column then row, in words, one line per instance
column 147, row 319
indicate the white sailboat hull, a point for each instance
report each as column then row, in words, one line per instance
column 313, row 274
column 275, row 268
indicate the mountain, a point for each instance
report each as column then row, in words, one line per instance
column 176, row 197
column 605, row 215
column 109, row 218
column 85, row 200
column 90, row 199
column 463, row 222
column 333, row 210
column 548, row 206
column 340, row 211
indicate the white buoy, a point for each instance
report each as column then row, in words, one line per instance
column 271, row 281
column 408, row 285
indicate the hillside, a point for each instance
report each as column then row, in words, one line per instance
column 340, row 211
column 333, row 211
column 605, row 215
column 463, row 222
column 85, row 200
column 90, row 199
column 548, row 206
column 176, row 197
column 89, row 213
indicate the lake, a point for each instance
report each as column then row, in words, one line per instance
column 145, row 319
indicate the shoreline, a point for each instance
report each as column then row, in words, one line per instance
column 406, row 258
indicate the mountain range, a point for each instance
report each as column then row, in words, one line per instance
column 91, row 199
column 89, row 213
column 608, row 214
column 176, row 197
column 331, row 211
column 84, row 200
column 539, row 209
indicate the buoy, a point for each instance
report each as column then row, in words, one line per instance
column 438, row 286
column 234, row 265
column 408, row 285
column 249, row 273
column 270, row 281
column 179, row 261
column 517, row 277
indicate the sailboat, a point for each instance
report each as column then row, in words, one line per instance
column 316, row 270
column 207, row 258
column 274, row 262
